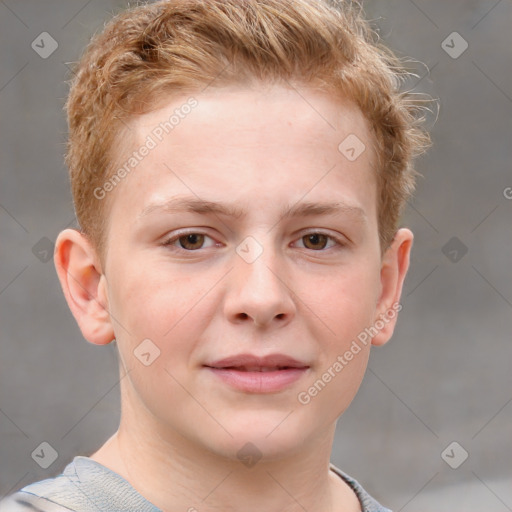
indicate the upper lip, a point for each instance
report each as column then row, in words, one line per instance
column 252, row 361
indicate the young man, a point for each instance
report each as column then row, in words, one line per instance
column 238, row 170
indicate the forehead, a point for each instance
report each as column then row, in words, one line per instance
column 239, row 111
column 228, row 142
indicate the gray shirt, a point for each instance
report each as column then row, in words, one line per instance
column 87, row 486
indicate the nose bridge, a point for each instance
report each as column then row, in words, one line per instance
column 258, row 290
column 262, row 275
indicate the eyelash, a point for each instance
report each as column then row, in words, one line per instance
column 169, row 242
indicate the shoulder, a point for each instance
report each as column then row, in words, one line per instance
column 44, row 495
column 83, row 486
column 368, row 504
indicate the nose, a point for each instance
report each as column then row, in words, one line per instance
column 259, row 292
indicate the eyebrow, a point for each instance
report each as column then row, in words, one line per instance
column 300, row 209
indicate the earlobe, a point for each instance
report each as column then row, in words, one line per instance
column 84, row 285
column 395, row 264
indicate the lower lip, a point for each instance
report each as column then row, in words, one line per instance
column 259, row 382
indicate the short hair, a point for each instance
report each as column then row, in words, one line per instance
column 151, row 51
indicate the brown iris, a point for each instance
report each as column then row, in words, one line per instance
column 191, row 241
column 317, row 240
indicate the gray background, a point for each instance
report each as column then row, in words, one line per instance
column 444, row 377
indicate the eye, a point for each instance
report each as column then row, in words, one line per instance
column 193, row 241
column 189, row 241
column 318, row 241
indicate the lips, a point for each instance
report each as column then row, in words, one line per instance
column 253, row 374
column 257, row 368
column 250, row 363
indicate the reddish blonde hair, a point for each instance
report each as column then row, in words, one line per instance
column 177, row 46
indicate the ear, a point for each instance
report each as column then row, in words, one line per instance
column 84, row 285
column 395, row 264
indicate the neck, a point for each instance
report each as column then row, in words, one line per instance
column 175, row 475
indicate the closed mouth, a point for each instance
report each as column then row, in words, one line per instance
column 258, row 368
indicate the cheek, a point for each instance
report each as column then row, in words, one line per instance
column 336, row 386
column 159, row 321
column 168, row 310
column 345, row 301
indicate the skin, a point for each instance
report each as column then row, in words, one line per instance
column 181, row 427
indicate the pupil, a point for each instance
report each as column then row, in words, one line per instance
column 316, row 239
column 195, row 240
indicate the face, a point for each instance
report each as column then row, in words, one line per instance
column 243, row 261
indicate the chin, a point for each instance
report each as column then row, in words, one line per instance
column 262, row 436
